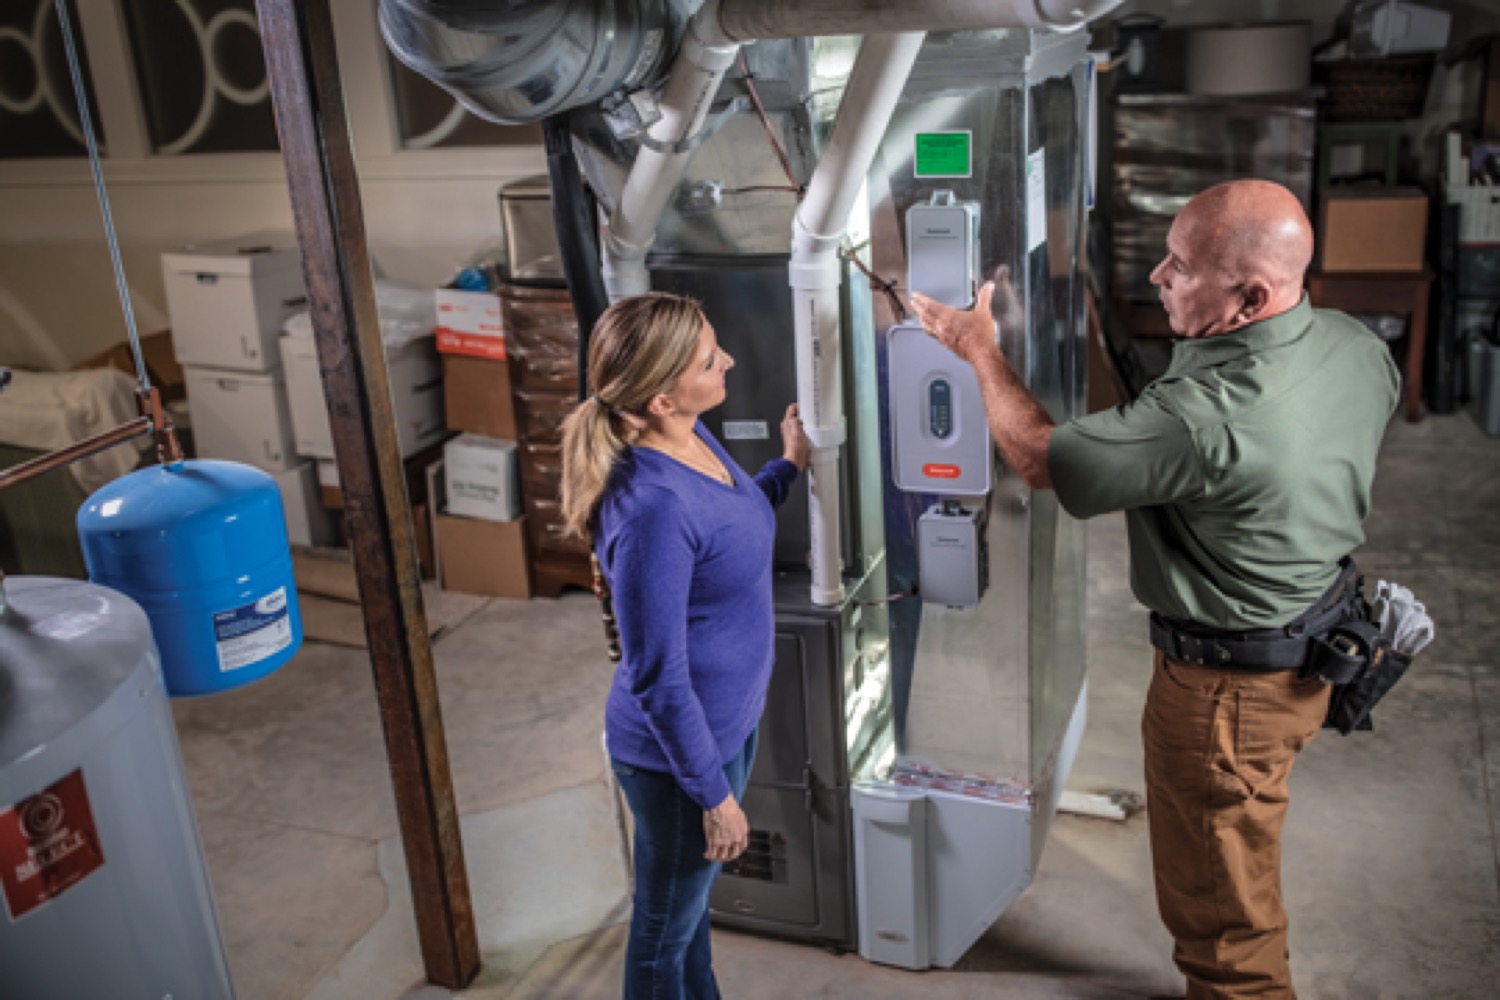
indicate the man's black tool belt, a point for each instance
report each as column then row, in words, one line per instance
column 1264, row 649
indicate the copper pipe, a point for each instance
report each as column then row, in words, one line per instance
column 43, row 464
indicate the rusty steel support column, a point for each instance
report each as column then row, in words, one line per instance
column 310, row 119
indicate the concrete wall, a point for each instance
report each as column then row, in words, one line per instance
column 425, row 210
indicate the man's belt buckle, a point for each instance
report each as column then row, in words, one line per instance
column 1186, row 642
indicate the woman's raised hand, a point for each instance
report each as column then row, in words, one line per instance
column 797, row 449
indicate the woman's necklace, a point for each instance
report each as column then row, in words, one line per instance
column 707, row 463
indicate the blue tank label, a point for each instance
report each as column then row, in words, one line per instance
column 248, row 634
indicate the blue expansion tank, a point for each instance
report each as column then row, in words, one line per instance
column 202, row 547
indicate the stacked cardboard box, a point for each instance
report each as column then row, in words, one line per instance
column 480, row 534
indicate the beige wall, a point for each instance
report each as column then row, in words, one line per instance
column 425, row 211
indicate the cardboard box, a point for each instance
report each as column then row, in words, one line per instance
column 484, row 557
column 477, row 397
column 161, row 364
column 470, row 323
column 1373, row 229
column 416, row 382
column 481, row 478
column 229, row 298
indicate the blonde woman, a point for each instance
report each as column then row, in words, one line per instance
column 684, row 537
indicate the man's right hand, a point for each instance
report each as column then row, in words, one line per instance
column 726, row 829
column 969, row 333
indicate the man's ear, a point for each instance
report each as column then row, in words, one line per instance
column 1255, row 296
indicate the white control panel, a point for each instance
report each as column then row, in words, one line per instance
column 940, row 437
column 942, row 251
column 941, row 441
column 952, row 555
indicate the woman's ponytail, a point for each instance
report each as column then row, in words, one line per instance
column 639, row 348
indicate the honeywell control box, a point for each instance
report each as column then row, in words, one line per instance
column 941, row 441
column 942, row 239
column 953, row 555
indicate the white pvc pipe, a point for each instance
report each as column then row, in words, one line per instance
column 747, row 20
column 870, row 97
column 696, row 74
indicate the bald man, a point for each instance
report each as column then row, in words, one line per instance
column 1245, row 474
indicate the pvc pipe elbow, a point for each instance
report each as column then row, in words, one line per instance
column 705, row 44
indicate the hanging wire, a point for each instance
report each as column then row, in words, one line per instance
column 878, row 284
column 765, row 120
column 86, row 120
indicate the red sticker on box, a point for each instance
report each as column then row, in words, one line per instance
column 48, row 844
column 942, row 471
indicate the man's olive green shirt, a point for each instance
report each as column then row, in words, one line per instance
column 1244, row 471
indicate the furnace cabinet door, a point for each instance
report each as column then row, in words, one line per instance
column 794, row 878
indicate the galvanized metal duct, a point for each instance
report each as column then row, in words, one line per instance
column 519, row 61
column 748, row 20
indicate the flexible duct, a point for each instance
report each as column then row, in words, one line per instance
column 519, row 61
column 874, row 87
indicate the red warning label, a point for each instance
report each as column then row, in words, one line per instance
column 48, row 843
column 935, row 471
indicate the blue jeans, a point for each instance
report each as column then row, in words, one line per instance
column 669, row 956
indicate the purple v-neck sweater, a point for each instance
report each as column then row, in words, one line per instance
column 689, row 561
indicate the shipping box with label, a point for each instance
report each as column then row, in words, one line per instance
column 229, row 298
column 483, row 557
column 416, row 383
column 470, row 323
column 1373, row 229
column 481, row 478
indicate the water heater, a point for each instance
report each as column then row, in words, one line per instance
column 103, row 891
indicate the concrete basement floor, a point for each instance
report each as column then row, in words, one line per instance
column 1391, row 872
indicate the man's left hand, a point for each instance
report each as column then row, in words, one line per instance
column 969, row 333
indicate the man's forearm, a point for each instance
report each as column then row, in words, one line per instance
column 1018, row 421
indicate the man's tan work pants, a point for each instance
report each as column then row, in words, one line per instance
column 1219, row 748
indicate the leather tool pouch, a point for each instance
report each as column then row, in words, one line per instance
column 1361, row 666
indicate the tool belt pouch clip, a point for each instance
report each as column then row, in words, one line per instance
column 1361, row 666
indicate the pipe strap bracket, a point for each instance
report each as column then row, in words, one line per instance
column 820, row 272
column 684, row 146
column 828, row 437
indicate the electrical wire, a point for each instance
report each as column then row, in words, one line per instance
column 87, row 121
column 879, row 284
column 765, row 120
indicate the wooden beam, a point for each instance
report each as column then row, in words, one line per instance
column 310, row 117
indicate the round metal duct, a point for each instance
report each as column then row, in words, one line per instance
column 518, row 61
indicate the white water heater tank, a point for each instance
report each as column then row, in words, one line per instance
column 103, row 891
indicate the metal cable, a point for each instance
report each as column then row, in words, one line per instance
column 87, row 121
column 765, row 120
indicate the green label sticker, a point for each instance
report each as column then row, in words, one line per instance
column 945, row 154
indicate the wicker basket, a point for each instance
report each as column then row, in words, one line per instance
column 1374, row 90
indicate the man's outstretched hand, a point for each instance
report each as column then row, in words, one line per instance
column 969, row 333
